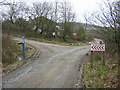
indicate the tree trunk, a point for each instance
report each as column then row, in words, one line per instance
column 64, row 38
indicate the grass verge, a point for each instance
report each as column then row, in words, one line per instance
column 101, row 76
column 29, row 52
column 58, row 42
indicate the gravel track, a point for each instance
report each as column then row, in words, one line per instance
column 55, row 66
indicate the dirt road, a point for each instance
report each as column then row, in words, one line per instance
column 55, row 67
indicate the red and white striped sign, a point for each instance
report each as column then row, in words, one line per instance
column 97, row 47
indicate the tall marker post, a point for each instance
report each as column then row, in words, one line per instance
column 23, row 48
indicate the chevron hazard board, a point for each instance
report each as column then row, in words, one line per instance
column 97, row 47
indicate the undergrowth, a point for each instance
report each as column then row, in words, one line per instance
column 101, row 75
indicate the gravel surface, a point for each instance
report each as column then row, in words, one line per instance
column 55, row 66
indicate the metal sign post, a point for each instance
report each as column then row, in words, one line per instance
column 97, row 47
column 23, row 48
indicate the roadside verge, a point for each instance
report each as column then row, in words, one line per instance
column 31, row 52
column 100, row 75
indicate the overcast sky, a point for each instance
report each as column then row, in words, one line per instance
column 79, row 6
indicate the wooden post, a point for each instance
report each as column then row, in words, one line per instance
column 91, row 59
column 103, row 58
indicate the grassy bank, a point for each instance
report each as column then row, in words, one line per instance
column 11, row 52
column 101, row 76
column 58, row 42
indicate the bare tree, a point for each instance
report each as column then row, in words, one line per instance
column 109, row 18
column 13, row 10
column 54, row 16
column 67, row 17
column 40, row 10
column 56, row 10
column 3, row 2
